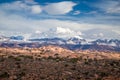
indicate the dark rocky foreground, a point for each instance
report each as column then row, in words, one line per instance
column 28, row 68
column 56, row 63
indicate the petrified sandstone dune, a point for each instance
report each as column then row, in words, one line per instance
column 55, row 51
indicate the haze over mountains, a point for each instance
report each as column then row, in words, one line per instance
column 65, row 33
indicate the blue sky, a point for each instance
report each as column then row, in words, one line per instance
column 26, row 16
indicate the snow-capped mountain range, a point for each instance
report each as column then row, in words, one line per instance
column 94, row 40
column 71, row 43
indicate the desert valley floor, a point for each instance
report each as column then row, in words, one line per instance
column 56, row 63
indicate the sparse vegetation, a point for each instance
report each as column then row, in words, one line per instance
column 29, row 67
column 4, row 75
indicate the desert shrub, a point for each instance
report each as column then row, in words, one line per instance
column 20, row 75
column 103, row 74
column 26, row 56
column 38, row 55
column 18, row 65
column 99, row 79
column 86, row 62
column 57, row 59
column 17, row 58
column 66, row 65
column 11, row 57
column 42, row 77
column 1, row 59
column 90, row 60
column 56, row 54
column 73, row 60
column 80, row 58
column 4, row 75
column 86, row 73
column 50, row 57
column 73, row 68
column 78, row 78
column 29, row 57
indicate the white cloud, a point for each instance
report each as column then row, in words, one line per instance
column 30, row 2
column 37, row 32
column 113, row 10
column 19, row 6
column 113, row 7
column 110, row 6
column 15, row 6
column 36, row 9
column 92, row 12
column 59, row 8
column 101, row 34
column 76, row 12
column 23, row 24
column 30, row 6
column 16, row 23
column 98, row 35
column 61, row 30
